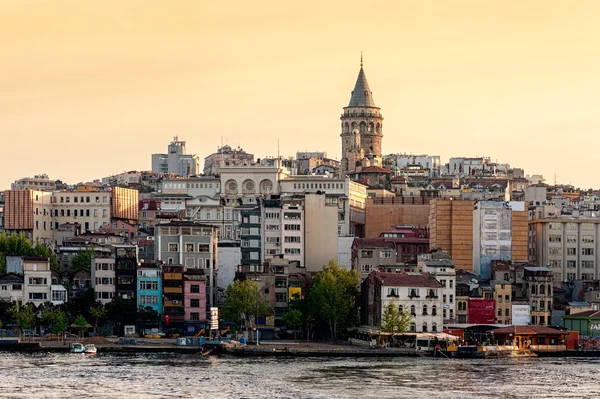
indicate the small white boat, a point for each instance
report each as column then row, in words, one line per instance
column 76, row 347
column 81, row 348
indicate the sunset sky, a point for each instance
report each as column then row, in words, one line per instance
column 89, row 89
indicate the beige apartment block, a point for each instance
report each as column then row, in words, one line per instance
column 503, row 298
column 383, row 213
column 321, row 231
column 451, row 229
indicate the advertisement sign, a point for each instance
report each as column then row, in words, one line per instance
column 521, row 315
column 214, row 318
column 294, row 292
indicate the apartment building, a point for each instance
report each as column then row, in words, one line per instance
column 126, row 263
column 321, row 214
column 567, row 245
column 499, row 233
column 369, row 254
column 173, row 306
column 176, row 160
column 193, row 245
column 417, row 293
column 503, row 297
column 226, row 156
column 36, row 183
column 11, row 287
column 40, row 214
column 37, row 287
column 351, row 197
column 149, row 287
column 104, row 280
column 194, row 296
column 439, row 265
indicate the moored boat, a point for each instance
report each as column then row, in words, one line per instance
column 81, row 348
column 90, row 349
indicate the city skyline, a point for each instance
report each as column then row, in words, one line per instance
column 95, row 90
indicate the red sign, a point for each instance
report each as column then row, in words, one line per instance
column 167, row 320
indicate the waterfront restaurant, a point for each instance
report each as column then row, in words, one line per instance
column 530, row 337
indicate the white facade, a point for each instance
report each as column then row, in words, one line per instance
column 430, row 162
column 104, row 279
column 92, row 210
column 569, row 246
column 37, row 281
column 245, row 183
column 345, row 252
column 58, row 294
column 423, row 303
column 11, row 287
column 443, row 270
column 229, row 259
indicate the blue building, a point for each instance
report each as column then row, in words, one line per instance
column 149, row 287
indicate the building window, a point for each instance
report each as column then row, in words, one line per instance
column 588, row 264
column 194, row 288
column 424, row 326
column 587, row 251
column 291, row 239
column 292, row 251
column 173, row 247
column 413, row 293
column 571, row 251
column 189, row 247
column 366, row 253
column 148, row 300
column 148, row 285
column 366, row 268
column 293, row 227
column 280, row 297
column 424, row 310
column 554, row 238
column 203, row 248
column 386, row 254
column 413, row 310
column 194, row 303
column 393, row 292
column 194, row 316
column 59, row 296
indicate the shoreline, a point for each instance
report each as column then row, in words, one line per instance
column 285, row 350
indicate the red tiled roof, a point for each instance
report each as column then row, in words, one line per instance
column 409, row 280
column 373, row 243
column 529, row 330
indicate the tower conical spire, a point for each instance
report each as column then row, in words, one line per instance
column 361, row 95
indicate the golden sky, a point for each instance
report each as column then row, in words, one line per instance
column 89, row 89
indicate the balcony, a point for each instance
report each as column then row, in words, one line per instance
column 173, row 276
column 173, row 290
column 175, row 303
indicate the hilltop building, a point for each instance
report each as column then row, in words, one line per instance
column 176, row 160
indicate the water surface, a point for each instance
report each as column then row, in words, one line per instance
column 193, row 376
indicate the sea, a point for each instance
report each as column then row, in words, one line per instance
column 162, row 375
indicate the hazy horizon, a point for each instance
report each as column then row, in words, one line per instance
column 93, row 89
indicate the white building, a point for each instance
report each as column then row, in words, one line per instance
column 11, row 287
column 176, row 160
column 416, row 293
column 431, row 163
column 58, row 294
column 104, row 279
column 230, row 257
column 439, row 265
column 37, row 280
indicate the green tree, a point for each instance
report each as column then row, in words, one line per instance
column 82, row 260
column 243, row 302
column 18, row 245
column 394, row 321
column 56, row 319
column 147, row 317
column 97, row 312
column 23, row 315
column 333, row 297
column 81, row 324
column 293, row 318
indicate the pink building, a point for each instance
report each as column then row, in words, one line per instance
column 194, row 295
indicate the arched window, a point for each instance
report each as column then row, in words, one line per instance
column 401, row 309
column 533, row 290
column 363, row 127
column 347, row 127
column 371, row 127
column 542, row 289
column 424, row 326
column 434, row 327
column 460, row 306
column 413, row 327
column 424, row 310
column 549, row 290
column 413, row 310
column 434, row 310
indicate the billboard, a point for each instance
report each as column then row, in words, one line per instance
column 294, row 293
column 521, row 315
column 214, row 318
